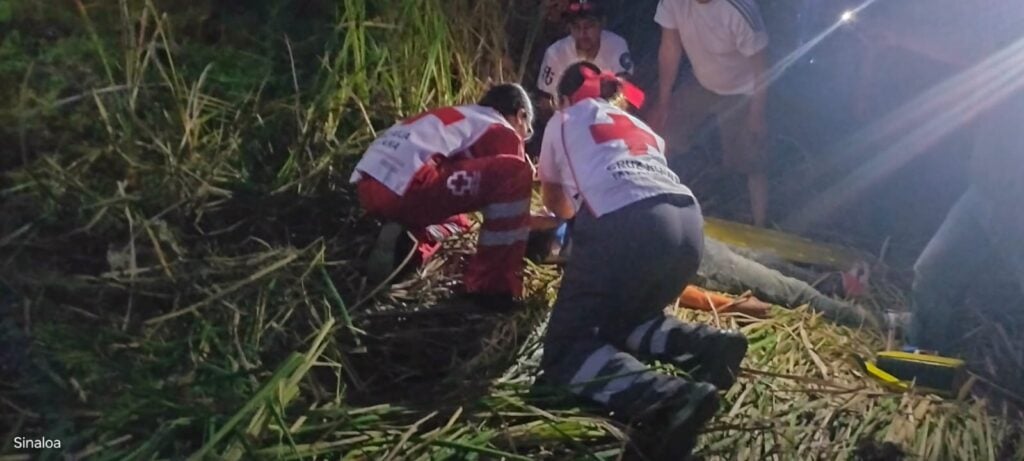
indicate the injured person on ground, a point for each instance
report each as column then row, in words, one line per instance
column 729, row 270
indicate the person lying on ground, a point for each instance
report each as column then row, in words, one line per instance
column 637, row 242
column 728, row 270
column 724, row 269
column 425, row 172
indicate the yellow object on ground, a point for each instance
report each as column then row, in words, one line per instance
column 887, row 379
column 931, row 373
column 789, row 247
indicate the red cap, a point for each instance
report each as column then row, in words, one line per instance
column 591, row 87
column 583, row 8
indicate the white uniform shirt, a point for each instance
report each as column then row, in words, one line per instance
column 398, row 153
column 613, row 56
column 719, row 37
column 605, row 158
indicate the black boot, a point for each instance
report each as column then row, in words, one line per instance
column 670, row 433
column 685, row 421
column 705, row 353
column 719, row 358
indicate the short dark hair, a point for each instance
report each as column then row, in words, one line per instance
column 572, row 80
column 508, row 99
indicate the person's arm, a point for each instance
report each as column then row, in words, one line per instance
column 556, row 201
column 547, row 82
column 553, row 194
column 670, row 54
column 625, row 59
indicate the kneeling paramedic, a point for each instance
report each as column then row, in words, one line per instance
column 637, row 241
column 425, row 172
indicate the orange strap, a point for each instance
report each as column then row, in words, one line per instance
column 701, row 300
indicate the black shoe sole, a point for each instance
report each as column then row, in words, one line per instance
column 722, row 366
column 680, row 436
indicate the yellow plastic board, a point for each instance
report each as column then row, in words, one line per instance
column 785, row 246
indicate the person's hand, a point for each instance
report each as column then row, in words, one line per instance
column 543, row 221
column 751, row 306
column 535, row 173
column 657, row 116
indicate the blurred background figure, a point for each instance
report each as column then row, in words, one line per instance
column 982, row 42
column 587, row 41
column 725, row 41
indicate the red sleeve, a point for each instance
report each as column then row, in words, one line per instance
column 498, row 140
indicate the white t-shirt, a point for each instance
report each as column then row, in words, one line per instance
column 613, row 56
column 605, row 158
column 719, row 37
column 398, row 153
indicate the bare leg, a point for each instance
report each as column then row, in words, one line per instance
column 757, row 186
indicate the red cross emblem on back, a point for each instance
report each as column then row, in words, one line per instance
column 448, row 115
column 637, row 139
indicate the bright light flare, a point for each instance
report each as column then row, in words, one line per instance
column 781, row 65
column 910, row 130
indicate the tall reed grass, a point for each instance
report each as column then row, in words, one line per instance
column 145, row 326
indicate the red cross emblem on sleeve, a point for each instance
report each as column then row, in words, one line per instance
column 463, row 182
column 637, row 139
